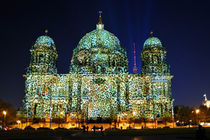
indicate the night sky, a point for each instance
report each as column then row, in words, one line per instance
column 182, row 26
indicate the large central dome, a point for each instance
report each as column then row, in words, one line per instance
column 99, row 51
column 100, row 38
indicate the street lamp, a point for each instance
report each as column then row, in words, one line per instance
column 134, row 114
column 190, row 121
column 61, row 115
column 197, row 111
column 5, row 114
column 18, row 122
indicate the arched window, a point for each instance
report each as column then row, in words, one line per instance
column 41, row 58
column 155, row 59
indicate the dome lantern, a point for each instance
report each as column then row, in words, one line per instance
column 100, row 25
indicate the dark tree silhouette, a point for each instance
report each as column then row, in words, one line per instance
column 11, row 112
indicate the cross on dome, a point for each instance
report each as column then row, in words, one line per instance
column 151, row 33
column 45, row 31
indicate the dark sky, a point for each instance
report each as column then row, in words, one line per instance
column 181, row 25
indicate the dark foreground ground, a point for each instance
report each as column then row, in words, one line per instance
column 64, row 134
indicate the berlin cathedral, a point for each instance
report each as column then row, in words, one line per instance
column 98, row 84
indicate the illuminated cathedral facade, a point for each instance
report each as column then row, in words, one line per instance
column 98, row 84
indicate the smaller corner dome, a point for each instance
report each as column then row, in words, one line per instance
column 44, row 42
column 152, row 42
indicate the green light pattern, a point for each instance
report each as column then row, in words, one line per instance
column 152, row 42
column 98, row 84
column 99, row 52
column 45, row 42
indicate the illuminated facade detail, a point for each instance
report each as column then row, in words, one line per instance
column 206, row 102
column 43, row 57
column 154, row 65
column 98, row 84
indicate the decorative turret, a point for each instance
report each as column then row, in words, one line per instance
column 43, row 56
column 154, row 57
